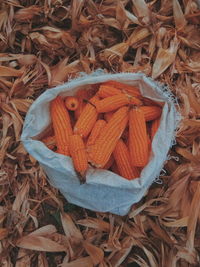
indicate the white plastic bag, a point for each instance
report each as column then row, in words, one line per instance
column 103, row 191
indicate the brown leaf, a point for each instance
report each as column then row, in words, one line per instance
column 138, row 35
column 27, row 13
column 21, row 196
column 23, row 258
column 94, row 252
column 164, row 58
column 82, row 262
column 3, row 148
column 142, row 10
column 180, row 21
column 10, row 72
column 161, row 233
column 121, row 255
column 6, row 120
column 95, row 223
column 193, row 216
column 3, row 233
column 46, row 230
column 42, row 260
column 70, row 229
column 21, row 104
column 39, row 243
column 183, row 222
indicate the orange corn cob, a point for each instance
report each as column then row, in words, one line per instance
column 93, row 90
column 125, row 134
column 61, row 124
column 108, row 115
column 79, row 156
column 101, row 151
column 135, row 101
column 109, row 163
column 150, row 102
column 138, row 141
column 132, row 90
column 87, row 118
column 99, row 125
column 149, row 142
column 106, row 91
column 82, row 95
column 50, row 142
column 71, row 102
column 114, row 168
column 151, row 112
column 80, row 108
column 154, row 127
column 122, row 158
column 112, row 103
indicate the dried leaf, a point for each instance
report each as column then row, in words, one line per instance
column 46, row 230
column 28, row 13
column 70, row 229
column 192, row 221
column 3, row 233
column 142, row 10
column 10, row 72
column 39, row 243
column 164, row 58
column 6, row 120
column 94, row 252
column 23, row 258
column 180, row 21
column 21, row 196
column 42, row 260
column 121, row 255
column 21, row 105
column 95, row 223
column 82, row 262
column 138, row 35
column 183, row 222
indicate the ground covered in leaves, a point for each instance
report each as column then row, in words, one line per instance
column 43, row 44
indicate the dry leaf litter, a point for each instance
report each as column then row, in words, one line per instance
column 45, row 43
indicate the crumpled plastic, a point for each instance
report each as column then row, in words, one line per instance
column 104, row 191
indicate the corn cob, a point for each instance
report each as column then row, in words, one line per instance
column 122, row 158
column 150, row 102
column 79, row 156
column 106, row 91
column 108, row 115
column 154, row 127
column 114, row 168
column 87, row 118
column 131, row 90
column 125, row 134
column 112, row 103
column 50, row 142
column 138, row 142
column 99, row 125
column 149, row 142
column 109, row 162
column 135, row 101
column 61, row 124
column 101, row 151
column 151, row 112
column 71, row 102
column 80, row 108
column 81, row 95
